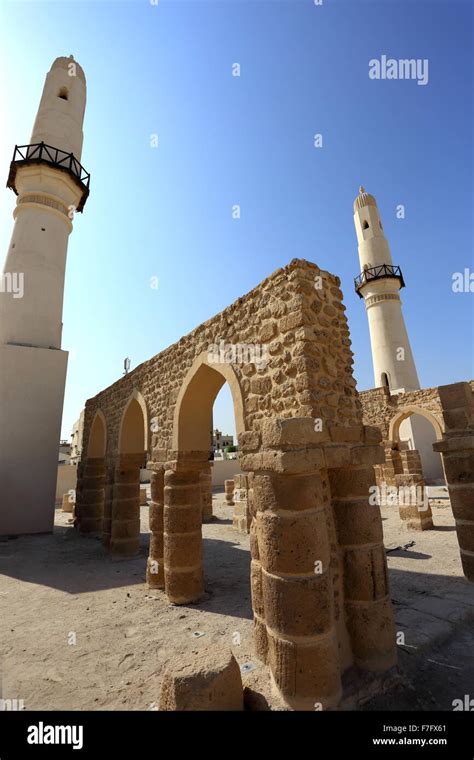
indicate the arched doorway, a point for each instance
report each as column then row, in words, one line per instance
column 132, row 447
column 176, row 510
column 416, row 429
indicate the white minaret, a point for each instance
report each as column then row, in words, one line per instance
column 51, row 185
column 379, row 284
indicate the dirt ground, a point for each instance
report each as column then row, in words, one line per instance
column 80, row 630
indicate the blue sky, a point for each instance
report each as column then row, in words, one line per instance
column 165, row 212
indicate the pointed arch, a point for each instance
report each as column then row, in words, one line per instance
column 97, row 443
column 133, row 431
column 193, row 409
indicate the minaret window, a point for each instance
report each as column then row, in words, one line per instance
column 63, row 93
column 365, row 225
column 384, row 380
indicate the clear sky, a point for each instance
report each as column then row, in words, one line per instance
column 166, row 212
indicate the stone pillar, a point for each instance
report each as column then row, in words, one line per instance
column 296, row 597
column 155, row 571
column 292, row 577
column 92, row 495
column 393, row 465
column 457, row 450
column 319, row 576
column 68, row 502
column 108, row 501
column 205, row 480
column 415, row 512
column 259, row 626
column 368, row 610
column 125, row 532
column 241, row 516
column 184, row 581
column 229, row 492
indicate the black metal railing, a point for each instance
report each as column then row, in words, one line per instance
column 378, row 273
column 40, row 153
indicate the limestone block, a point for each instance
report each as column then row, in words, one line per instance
column 249, row 441
column 306, row 672
column 184, row 586
column 240, row 516
column 298, row 606
column 229, row 492
column 456, row 396
column 357, row 522
column 182, row 519
column 206, row 680
column 68, row 503
column 298, row 492
column 372, row 632
column 293, row 542
column 296, row 431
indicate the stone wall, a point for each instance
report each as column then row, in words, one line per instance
column 309, row 372
column 380, row 408
column 319, row 582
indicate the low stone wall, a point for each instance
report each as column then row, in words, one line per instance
column 382, row 409
column 224, row 470
column 66, row 481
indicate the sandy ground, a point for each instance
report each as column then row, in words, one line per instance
column 80, row 630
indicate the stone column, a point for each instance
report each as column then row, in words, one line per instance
column 292, row 579
column 68, row 502
column 205, row 480
column 368, row 610
column 297, row 589
column 259, row 626
column 229, row 492
column 155, row 571
column 125, row 533
column 92, row 495
column 241, row 517
column 393, row 465
column 184, row 581
column 414, row 510
column 108, row 501
column 457, row 450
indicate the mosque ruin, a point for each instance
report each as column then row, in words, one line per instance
column 311, row 447
column 318, row 569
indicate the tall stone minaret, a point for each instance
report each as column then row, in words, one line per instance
column 379, row 284
column 51, row 185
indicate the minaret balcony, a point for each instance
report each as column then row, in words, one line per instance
column 40, row 153
column 381, row 272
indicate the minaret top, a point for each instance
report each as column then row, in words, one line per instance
column 61, row 110
column 64, row 63
column 364, row 199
